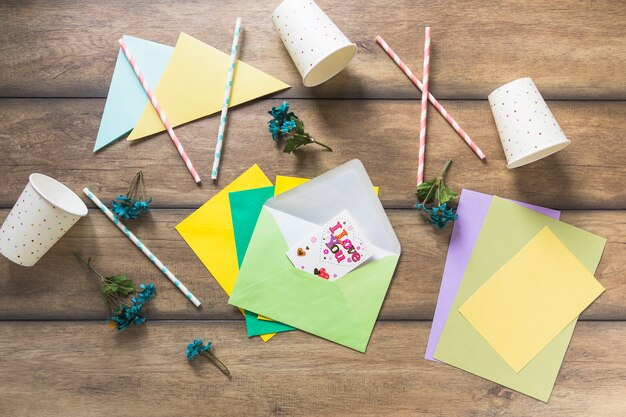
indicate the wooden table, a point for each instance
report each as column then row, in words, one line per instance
column 58, row 358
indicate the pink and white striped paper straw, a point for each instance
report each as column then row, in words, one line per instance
column 424, row 111
column 160, row 112
column 458, row 129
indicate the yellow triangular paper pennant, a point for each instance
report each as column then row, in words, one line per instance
column 192, row 86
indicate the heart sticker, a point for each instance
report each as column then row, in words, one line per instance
column 321, row 273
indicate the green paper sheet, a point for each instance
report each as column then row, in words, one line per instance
column 507, row 228
column 245, row 207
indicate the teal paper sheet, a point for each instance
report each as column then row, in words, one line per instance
column 245, row 207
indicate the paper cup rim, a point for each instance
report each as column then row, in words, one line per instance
column 508, row 84
column 76, row 207
column 537, row 154
column 306, row 78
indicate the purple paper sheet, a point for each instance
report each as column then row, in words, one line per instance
column 472, row 210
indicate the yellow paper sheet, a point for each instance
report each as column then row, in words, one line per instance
column 192, row 86
column 531, row 299
column 209, row 231
column 287, row 183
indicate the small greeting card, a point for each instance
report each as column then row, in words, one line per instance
column 333, row 250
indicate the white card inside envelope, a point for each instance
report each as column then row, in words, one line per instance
column 306, row 208
column 333, row 250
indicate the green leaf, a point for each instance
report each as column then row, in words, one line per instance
column 119, row 284
column 424, row 188
column 299, row 126
column 108, row 289
column 446, row 194
column 295, row 142
column 122, row 281
column 124, row 292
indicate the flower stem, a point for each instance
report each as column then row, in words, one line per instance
column 445, row 169
column 434, row 186
column 321, row 144
column 89, row 266
column 137, row 187
column 217, row 363
column 437, row 183
column 112, row 300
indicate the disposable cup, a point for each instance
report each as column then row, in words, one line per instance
column 316, row 45
column 43, row 213
column 527, row 128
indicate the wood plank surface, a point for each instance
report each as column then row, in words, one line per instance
column 574, row 50
column 56, row 137
column 86, row 369
column 59, row 358
column 46, row 290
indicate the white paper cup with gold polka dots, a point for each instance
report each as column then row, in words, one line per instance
column 45, row 211
column 527, row 128
column 316, row 45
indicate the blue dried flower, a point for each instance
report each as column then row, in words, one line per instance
column 282, row 114
column 141, row 205
column 274, row 129
column 123, row 207
column 288, row 126
column 282, row 122
column 123, row 199
column 440, row 215
column 147, row 293
column 126, row 209
column 197, row 347
column 131, row 205
column 125, row 316
column 193, row 349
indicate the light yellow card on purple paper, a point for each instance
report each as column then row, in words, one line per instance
column 531, row 299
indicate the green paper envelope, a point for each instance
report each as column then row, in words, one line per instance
column 245, row 207
column 343, row 311
column 507, row 228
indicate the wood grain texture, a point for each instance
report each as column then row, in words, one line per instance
column 58, row 287
column 573, row 50
column 58, row 358
column 56, row 137
column 86, row 369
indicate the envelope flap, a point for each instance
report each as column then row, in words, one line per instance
column 347, row 187
column 365, row 288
